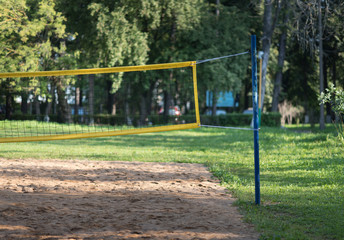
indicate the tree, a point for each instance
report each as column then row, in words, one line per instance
column 165, row 23
column 300, row 80
column 53, row 54
column 335, row 97
column 271, row 15
column 321, row 62
column 281, row 56
column 218, row 36
column 14, row 51
column 117, row 42
column 310, row 18
column 31, row 33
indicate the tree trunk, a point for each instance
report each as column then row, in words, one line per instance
column 77, row 101
column 334, row 77
column 217, row 8
column 247, row 89
column 150, row 98
column 24, row 106
column 214, row 103
column 334, row 70
column 168, row 90
column 37, row 108
column 50, row 103
column 113, row 105
column 328, row 105
column 321, row 65
column 146, row 104
column 269, row 24
column 311, row 116
column 54, row 102
column 111, row 99
column 81, row 94
column 128, row 119
column 77, row 96
column 109, row 96
column 167, row 103
column 143, row 109
column 9, row 105
column 280, row 64
column 91, row 78
column 266, row 42
column 214, row 97
column 63, row 107
column 279, row 75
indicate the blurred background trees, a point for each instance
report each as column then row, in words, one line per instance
column 301, row 40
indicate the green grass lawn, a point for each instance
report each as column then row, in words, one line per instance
column 302, row 171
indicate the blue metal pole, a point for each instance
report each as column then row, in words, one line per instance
column 255, row 118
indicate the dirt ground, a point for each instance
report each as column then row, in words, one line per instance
column 52, row 199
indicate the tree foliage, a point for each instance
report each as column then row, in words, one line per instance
column 62, row 34
column 218, row 36
column 32, row 38
column 334, row 96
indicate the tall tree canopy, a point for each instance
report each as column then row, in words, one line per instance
column 62, row 34
column 32, row 38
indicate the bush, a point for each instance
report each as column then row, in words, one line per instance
column 22, row 117
column 289, row 112
column 233, row 119
column 109, row 119
column 271, row 119
column 150, row 120
column 335, row 97
column 239, row 119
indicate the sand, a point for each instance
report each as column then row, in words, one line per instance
column 53, row 199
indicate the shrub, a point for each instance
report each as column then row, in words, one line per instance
column 288, row 112
column 335, row 97
column 271, row 119
column 239, row 119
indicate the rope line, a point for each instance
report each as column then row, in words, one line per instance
column 217, row 58
column 238, row 128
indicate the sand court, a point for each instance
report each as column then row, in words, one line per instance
column 53, row 199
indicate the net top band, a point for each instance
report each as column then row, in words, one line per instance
column 98, row 70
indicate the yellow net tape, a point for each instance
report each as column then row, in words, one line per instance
column 97, row 70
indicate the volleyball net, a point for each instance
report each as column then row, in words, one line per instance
column 99, row 102
column 102, row 102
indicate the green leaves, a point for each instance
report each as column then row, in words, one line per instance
column 218, row 36
column 29, row 33
column 334, row 96
column 119, row 41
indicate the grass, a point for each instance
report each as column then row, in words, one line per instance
column 302, row 171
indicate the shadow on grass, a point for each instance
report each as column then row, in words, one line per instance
column 190, row 141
